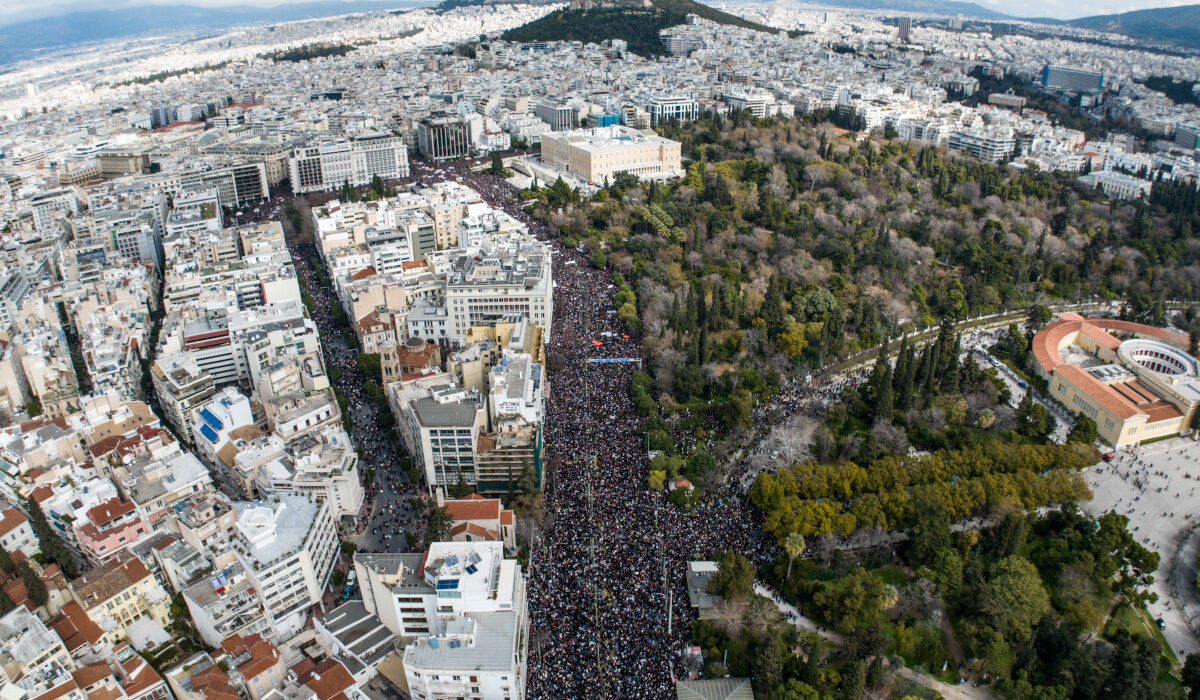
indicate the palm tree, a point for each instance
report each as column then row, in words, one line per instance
column 793, row 545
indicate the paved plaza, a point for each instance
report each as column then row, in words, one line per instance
column 1158, row 488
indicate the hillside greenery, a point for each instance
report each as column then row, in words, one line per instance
column 638, row 26
column 1179, row 91
column 309, row 52
column 789, row 245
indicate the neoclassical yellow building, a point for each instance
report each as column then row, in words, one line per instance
column 1134, row 380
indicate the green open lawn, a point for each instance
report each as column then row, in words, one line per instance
column 1138, row 623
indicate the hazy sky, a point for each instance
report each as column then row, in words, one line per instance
column 14, row 10
column 17, row 10
column 1070, row 9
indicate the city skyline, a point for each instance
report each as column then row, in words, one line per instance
column 612, row 351
column 20, row 10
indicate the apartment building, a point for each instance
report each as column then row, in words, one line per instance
column 16, row 534
column 481, row 647
column 182, row 389
column 225, row 603
column 288, row 547
column 120, row 592
column 109, row 529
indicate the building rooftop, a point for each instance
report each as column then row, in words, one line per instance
column 480, row 641
column 451, row 414
column 360, row 631
column 268, row 531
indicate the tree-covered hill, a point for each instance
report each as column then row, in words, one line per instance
column 1179, row 25
column 637, row 25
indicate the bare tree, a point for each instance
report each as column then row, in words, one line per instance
column 761, row 615
column 777, row 182
column 729, row 616
column 816, row 174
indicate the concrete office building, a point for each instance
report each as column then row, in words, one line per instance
column 560, row 117
column 1071, row 79
column 330, row 165
column 444, row 137
column 664, row 108
column 905, row 29
column 1188, row 136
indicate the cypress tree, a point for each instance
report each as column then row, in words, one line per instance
column 883, row 402
column 33, row 585
column 902, row 369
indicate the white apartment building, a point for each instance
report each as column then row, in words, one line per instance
column 394, row 589
column 225, row 603
column 288, row 547
column 51, row 204
column 16, row 534
column 36, row 660
column 498, row 281
column 439, row 429
column 321, row 466
column 182, row 389
column 992, row 145
column 481, row 647
column 220, row 421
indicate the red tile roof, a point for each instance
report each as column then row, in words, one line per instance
column 473, row 529
column 329, row 679
column 91, row 674
column 75, row 627
column 109, row 511
column 473, row 507
column 263, row 657
column 11, row 518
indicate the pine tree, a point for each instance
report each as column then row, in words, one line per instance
column 6, row 562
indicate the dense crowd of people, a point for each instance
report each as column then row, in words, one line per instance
column 610, row 566
column 387, row 513
column 612, row 561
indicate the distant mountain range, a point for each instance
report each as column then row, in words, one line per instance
column 29, row 38
column 1178, row 25
column 935, row 7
